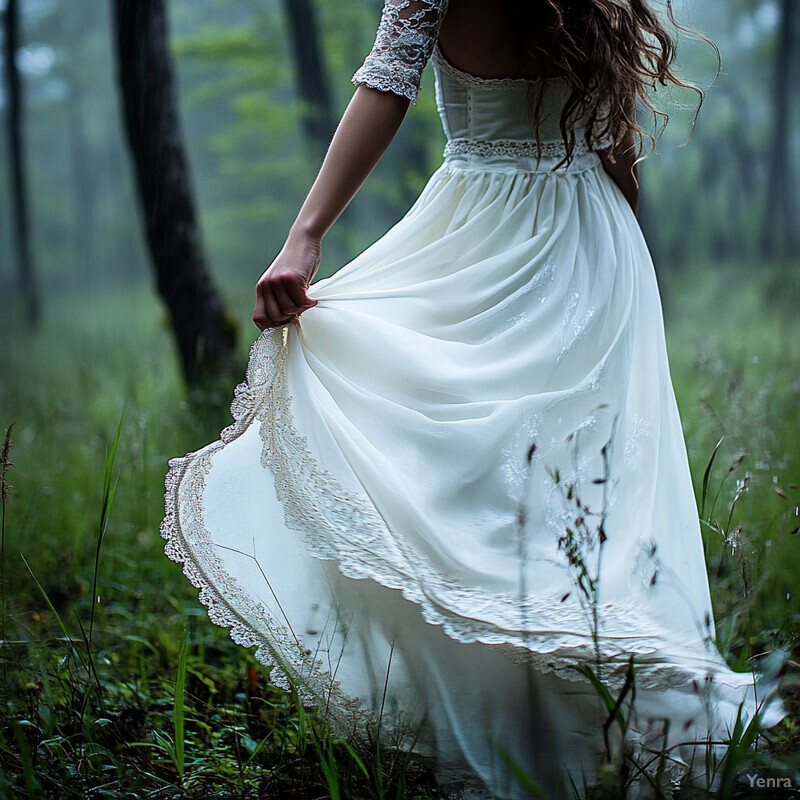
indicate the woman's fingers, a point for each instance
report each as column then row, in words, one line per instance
column 275, row 314
column 295, row 290
column 285, row 302
column 266, row 313
column 278, row 301
column 281, row 292
column 260, row 311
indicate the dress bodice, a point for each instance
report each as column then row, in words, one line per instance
column 487, row 121
column 492, row 109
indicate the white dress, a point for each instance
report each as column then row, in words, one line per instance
column 406, row 515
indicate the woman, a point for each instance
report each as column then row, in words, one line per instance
column 458, row 480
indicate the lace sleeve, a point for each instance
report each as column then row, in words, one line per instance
column 406, row 37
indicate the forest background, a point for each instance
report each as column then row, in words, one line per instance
column 88, row 341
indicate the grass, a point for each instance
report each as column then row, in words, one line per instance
column 736, row 379
column 114, row 682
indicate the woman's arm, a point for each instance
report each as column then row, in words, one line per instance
column 388, row 80
column 624, row 170
column 365, row 131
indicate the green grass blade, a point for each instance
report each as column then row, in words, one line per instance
column 90, row 661
column 328, row 763
column 525, row 780
column 179, row 709
column 707, row 476
column 610, row 703
column 32, row 784
column 357, row 760
column 55, row 614
column 733, row 756
column 109, row 490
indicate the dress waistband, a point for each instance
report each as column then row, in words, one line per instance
column 518, row 155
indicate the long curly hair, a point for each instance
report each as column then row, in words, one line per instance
column 613, row 53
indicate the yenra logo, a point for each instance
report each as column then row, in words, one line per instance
column 759, row 781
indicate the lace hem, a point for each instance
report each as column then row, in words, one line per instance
column 228, row 606
column 342, row 525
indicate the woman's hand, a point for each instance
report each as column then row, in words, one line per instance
column 281, row 292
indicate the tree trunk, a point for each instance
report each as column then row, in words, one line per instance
column 780, row 233
column 19, row 193
column 205, row 333
column 77, row 21
column 312, row 79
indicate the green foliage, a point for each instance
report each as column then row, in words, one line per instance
column 734, row 381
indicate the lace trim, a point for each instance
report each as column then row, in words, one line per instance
column 512, row 148
column 406, row 35
column 342, row 525
column 389, row 77
column 228, row 606
column 345, row 527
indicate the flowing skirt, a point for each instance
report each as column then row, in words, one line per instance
column 460, row 482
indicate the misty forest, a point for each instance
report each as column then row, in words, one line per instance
column 153, row 155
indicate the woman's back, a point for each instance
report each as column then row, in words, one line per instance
column 478, row 38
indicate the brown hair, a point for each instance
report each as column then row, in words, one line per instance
column 613, row 54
